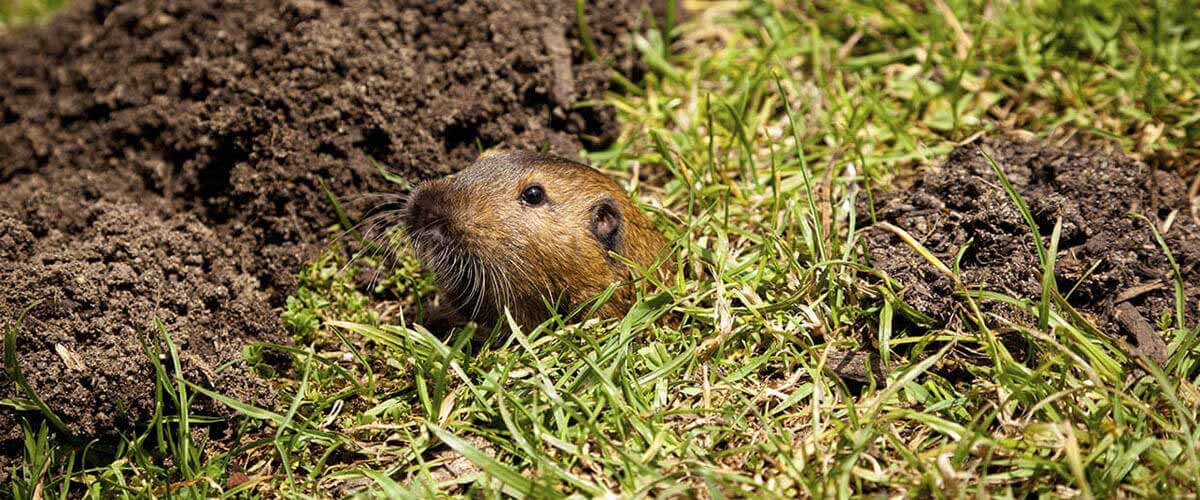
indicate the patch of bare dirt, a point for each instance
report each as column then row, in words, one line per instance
column 1121, row 277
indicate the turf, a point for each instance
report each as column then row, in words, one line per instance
column 757, row 136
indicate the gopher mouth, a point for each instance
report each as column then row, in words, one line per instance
column 471, row 285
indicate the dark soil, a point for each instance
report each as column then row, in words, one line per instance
column 165, row 161
column 1093, row 192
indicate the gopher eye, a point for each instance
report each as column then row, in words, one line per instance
column 533, row 195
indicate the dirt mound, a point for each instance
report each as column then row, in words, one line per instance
column 240, row 111
column 1091, row 191
column 96, row 296
column 168, row 160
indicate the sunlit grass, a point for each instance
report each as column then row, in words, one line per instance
column 18, row 12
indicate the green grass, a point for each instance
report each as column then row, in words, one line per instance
column 760, row 134
column 16, row 12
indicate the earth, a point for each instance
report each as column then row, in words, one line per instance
column 165, row 166
column 1108, row 259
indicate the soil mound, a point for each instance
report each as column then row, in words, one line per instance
column 1121, row 277
column 168, row 160
column 93, row 294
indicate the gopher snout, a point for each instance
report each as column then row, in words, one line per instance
column 427, row 216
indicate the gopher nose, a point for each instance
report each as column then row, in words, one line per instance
column 427, row 214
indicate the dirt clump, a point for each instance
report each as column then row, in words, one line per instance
column 1109, row 257
column 169, row 161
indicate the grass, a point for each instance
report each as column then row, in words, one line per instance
column 751, row 143
column 16, row 12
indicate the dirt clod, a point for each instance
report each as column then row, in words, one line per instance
column 168, row 161
column 1120, row 276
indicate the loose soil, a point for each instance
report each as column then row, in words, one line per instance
column 168, row 161
column 1093, row 192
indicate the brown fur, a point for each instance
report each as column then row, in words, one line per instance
column 490, row 251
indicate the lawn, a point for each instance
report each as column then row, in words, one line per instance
column 758, row 140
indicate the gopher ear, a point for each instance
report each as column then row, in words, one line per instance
column 606, row 223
